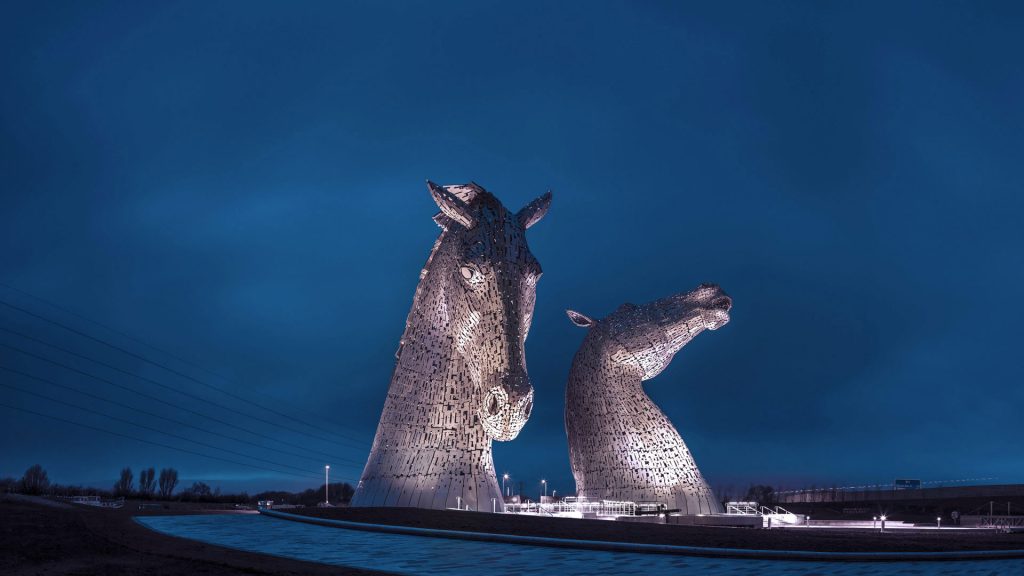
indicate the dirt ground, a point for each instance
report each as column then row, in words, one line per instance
column 41, row 539
column 822, row 540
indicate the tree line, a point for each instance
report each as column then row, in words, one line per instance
column 760, row 493
column 149, row 484
column 152, row 486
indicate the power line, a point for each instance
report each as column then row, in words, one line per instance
column 137, row 340
column 158, row 431
column 155, row 415
column 154, row 382
column 171, row 404
column 177, row 373
column 98, row 429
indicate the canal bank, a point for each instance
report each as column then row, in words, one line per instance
column 830, row 545
column 419, row 555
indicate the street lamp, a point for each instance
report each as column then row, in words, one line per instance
column 545, row 483
column 882, row 518
column 503, row 479
column 939, row 521
column 327, row 483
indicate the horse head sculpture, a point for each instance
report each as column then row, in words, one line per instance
column 460, row 379
column 490, row 283
column 647, row 337
column 621, row 445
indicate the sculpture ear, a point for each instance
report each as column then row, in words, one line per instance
column 451, row 205
column 534, row 211
column 580, row 320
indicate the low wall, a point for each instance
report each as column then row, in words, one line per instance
column 732, row 520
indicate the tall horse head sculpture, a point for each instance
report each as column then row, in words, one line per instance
column 621, row 445
column 460, row 379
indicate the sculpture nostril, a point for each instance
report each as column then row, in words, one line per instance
column 492, row 409
column 528, row 409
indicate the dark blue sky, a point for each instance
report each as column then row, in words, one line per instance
column 242, row 184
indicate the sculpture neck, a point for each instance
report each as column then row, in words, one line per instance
column 427, row 327
column 604, row 373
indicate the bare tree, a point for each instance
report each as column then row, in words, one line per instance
column 124, row 485
column 760, row 493
column 198, row 491
column 342, row 492
column 35, row 480
column 146, row 482
column 168, row 480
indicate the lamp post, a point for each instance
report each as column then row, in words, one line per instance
column 938, row 522
column 327, row 484
column 874, row 522
column 882, row 518
column 545, row 484
column 504, row 477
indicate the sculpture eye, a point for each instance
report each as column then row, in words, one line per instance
column 470, row 274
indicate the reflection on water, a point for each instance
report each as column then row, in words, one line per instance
column 440, row 556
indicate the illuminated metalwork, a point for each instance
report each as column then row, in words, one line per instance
column 460, row 378
column 621, row 445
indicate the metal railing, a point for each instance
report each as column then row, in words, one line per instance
column 577, row 506
column 745, row 508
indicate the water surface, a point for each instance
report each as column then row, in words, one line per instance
column 416, row 555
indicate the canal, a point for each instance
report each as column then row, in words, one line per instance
column 416, row 555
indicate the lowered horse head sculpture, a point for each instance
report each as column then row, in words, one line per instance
column 621, row 445
column 460, row 379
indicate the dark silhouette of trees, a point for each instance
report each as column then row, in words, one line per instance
column 760, row 493
column 340, row 493
column 198, row 491
column 35, row 481
column 73, row 490
column 147, row 480
column 201, row 492
column 125, row 484
column 279, row 496
column 168, row 481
